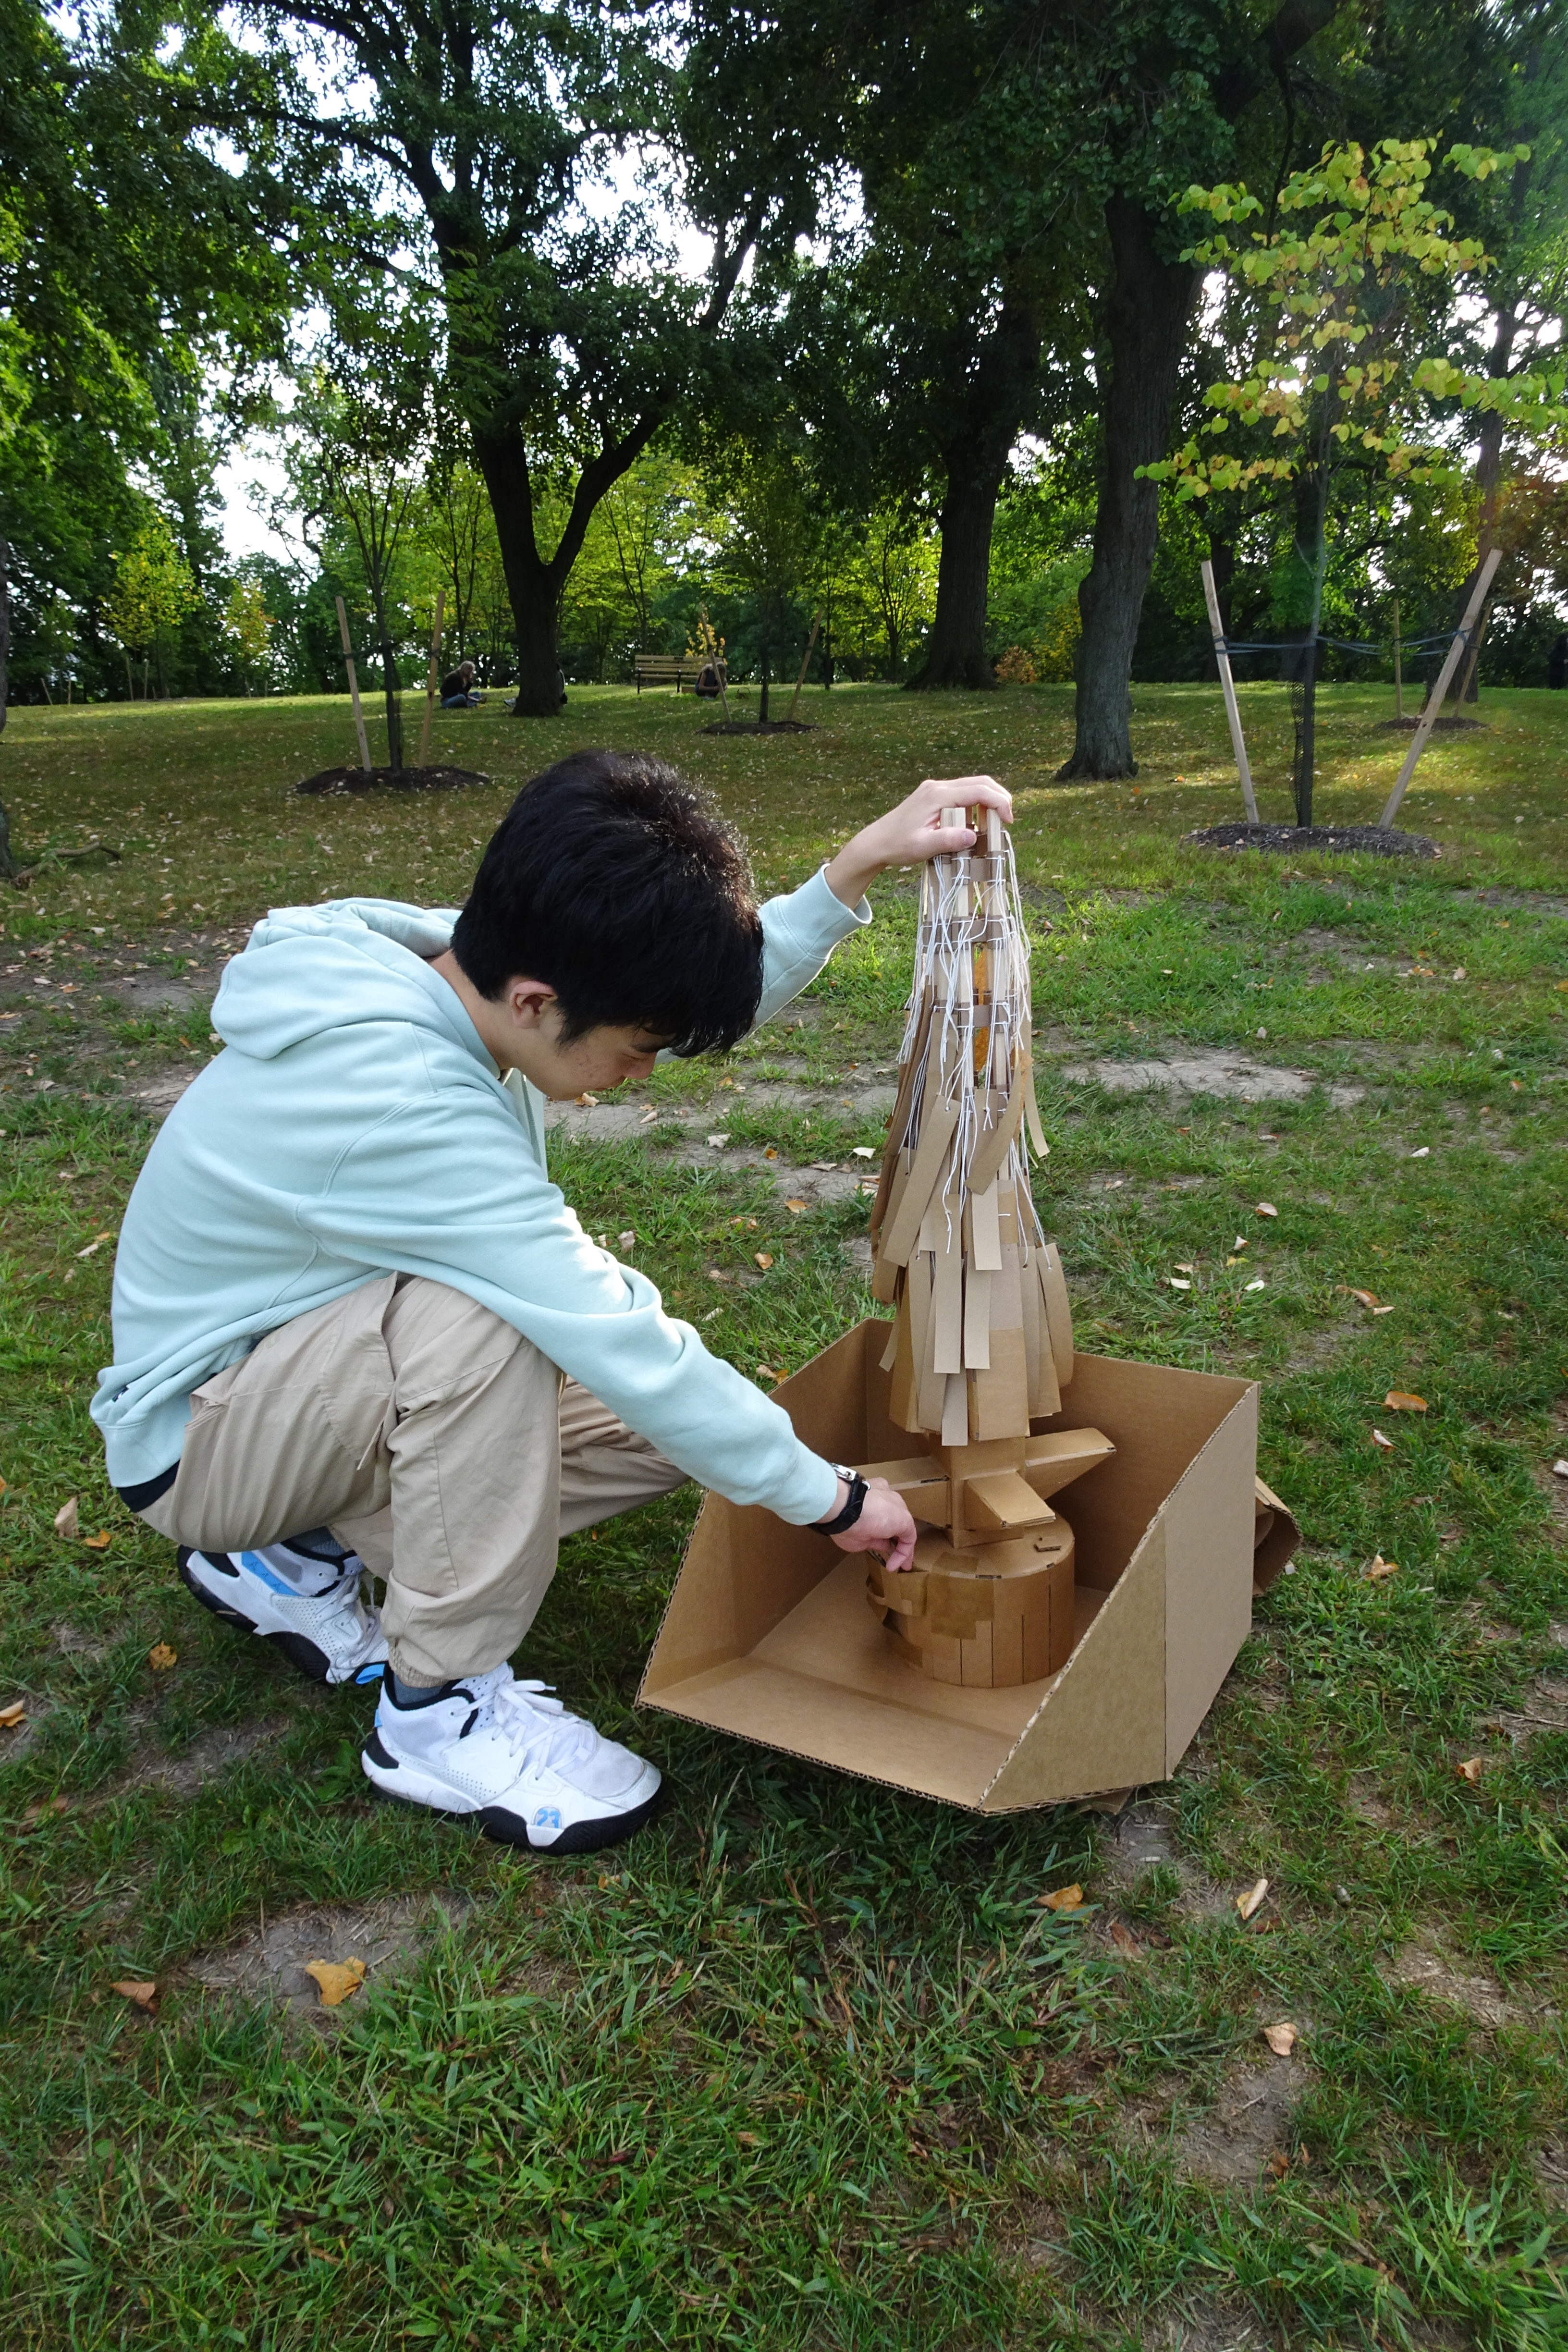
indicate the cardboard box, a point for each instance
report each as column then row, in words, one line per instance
column 767, row 1634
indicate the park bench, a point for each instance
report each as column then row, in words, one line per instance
column 666, row 669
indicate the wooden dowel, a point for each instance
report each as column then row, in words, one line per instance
column 353, row 687
column 804, row 665
column 1434, row 701
column 1237, row 740
column 434, row 680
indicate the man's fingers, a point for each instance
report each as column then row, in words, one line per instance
column 966, row 791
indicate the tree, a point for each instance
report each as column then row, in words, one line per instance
column 153, row 592
column 768, row 542
column 247, row 627
column 1353, row 298
column 476, row 139
column 896, row 576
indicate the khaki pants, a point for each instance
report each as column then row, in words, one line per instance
column 434, row 1440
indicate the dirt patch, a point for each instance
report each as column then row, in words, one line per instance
column 762, row 727
column 1207, row 2328
column 268, row 1963
column 1449, row 726
column 1335, row 840
column 1425, row 1967
column 390, row 779
column 1248, row 2123
column 1209, row 1071
column 214, row 1752
column 1144, row 1839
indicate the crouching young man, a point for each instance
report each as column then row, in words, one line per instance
column 357, row 1329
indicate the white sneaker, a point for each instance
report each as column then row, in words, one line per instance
column 329, row 1635
column 505, row 1750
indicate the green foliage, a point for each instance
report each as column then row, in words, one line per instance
column 153, row 589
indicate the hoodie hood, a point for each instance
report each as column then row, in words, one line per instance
column 308, row 970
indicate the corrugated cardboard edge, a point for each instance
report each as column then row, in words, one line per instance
column 1279, row 1546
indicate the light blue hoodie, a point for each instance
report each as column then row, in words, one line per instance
column 355, row 1126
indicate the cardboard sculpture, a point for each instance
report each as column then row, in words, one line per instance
column 982, row 1339
column 767, row 1635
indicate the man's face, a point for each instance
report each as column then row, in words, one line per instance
column 601, row 1058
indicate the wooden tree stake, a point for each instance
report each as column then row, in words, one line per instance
column 1239, row 742
column 434, row 680
column 1434, row 701
column 805, row 664
column 1398, row 667
column 353, row 687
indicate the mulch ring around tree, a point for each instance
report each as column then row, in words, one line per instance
column 1334, row 838
column 389, row 780
column 762, row 727
column 1450, row 726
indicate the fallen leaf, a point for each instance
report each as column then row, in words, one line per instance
column 863, row 1152
column 764, row 1259
column 1066, row 1898
column 13, row 1714
column 1267, row 1209
column 586, row 1101
column 1232, row 1261
column 1560, row 1469
column 1425, row 1152
column 1183, row 1269
column 717, row 1140
column 1367, row 1297
column 66, row 1519
column 1377, row 1568
column 1249, row 1902
column 1383, row 1310
column 1280, row 2038
column 100, row 1542
column 795, row 1208
column 1124, row 1939
column 1401, row 1401
column 825, row 1167
column 1471, row 1769
column 772, row 1152
column 142, row 1994
column 336, row 1978
column 1279, row 2164
column 41, row 1811
column 1240, row 1242
column 1258, row 1284
column 1460, row 973
column 625, row 1240
column 1385, row 1443
column 714, row 1275
column 90, row 1250
column 161, row 1657
column 766, row 1372
column 1262, row 1032
column 1176, row 1284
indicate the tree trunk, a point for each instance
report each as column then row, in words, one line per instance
column 977, row 458
column 762, row 704
column 535, row 604
column 1146, row 334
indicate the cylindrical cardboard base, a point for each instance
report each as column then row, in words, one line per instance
column 988, row 1619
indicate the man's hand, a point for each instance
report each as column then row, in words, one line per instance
column 884, row 1524
column 913, row 832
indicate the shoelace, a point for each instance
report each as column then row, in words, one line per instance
column 539, row 1729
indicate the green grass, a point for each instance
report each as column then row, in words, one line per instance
column 809, row 2065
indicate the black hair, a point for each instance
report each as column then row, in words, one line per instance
column 616, row 883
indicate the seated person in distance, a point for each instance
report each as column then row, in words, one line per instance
column 358, row 1329
column 458, row 689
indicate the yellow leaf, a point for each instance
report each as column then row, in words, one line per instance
column 1280, row 2038
column 1066, row 1898
column 772, row 1152
column 1124, row 1939
column 1251, row 1901
column 337, row 1979
column 794, row 1207
column 1401, row 1401
column 1377, row 1568
column 100, row 1542
column 14, row 1714
column 764, row 1259
column 1367, row 1297
column 66, row 1522
column 160, row 1657
column 143, row 1993
column 1471, row 1769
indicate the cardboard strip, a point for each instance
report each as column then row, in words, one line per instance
column 1031, row 1107
column 955, row 1411
column 976, row 1320
column 1058, row 1313
column 987, row 1229
column 892, row 1350
column 947, row 1307
column 929, row 1165
column 993, row 1149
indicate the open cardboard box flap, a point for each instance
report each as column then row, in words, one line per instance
column 767, row 1634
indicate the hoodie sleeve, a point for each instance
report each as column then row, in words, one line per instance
column 799, row 933
column 481, row 1216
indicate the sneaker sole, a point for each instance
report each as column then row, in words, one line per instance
column 302, row 1653
column 507, row 1829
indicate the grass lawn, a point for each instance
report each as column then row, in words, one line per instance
column 809, row 2064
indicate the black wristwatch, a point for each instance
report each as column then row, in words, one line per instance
column 852, row 1508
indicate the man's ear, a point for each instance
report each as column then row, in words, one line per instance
column 528, row 1001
